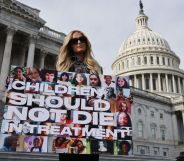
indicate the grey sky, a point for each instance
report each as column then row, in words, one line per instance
column 107, row 23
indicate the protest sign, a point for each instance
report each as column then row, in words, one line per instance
column 65, row 112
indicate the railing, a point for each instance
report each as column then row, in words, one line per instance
column 52, row 33
column 147, row 93
column 176, row 99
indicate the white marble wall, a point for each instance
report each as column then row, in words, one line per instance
column 169, row 122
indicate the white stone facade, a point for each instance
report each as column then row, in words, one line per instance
column 158, row 88
column 155, row 125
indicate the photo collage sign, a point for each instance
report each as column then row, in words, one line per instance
column 66, row 112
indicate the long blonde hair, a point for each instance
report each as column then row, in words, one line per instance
column 64, row 58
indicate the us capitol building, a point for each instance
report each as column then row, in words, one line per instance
column 158, row 109
column 153, row 68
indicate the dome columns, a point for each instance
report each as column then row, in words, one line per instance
column 179, row 85
column 131, row 82
column 135, row 81
column 174, row 84
column 143, row 82
column 158, row 82
column 160, row 60
column 167, row 84
column 151, row 82
column 155, row 59
column 142, row 60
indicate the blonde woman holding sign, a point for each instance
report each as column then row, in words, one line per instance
column 76, row 56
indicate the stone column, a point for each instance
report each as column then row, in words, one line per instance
column 142, row 60
column 149, row 60
column 174, row 84
column 136, row 61
column 43, row 54
column 23, row 54
column 166, row 61
column 160, row 60
column 175, row 128
column 135, row 81
column 127, row 63
column 155, row 60
column 167, row 84
column 179, row 85
column 151, row 82
column 159, row 83
column 2, row 44
column 6, row 58
column 183, row 85
column 183, row 119
column 143, row 82
column 31, row 51
column 130, row 81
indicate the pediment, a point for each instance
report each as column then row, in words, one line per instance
column 22, row 10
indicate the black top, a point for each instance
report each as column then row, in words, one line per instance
column 78, row 66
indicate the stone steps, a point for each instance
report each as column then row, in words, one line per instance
column 17, row 156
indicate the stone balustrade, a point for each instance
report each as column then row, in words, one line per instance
column 137, row 91
column 52, row 33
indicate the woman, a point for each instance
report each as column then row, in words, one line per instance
column 33, row 75
column 121, row 83
column 124, row 120
column 18, row 76
column 36, row 75
column 94, row 80
column 124, row 105
column 64, row 78
column 76, row 56
column 79, row 80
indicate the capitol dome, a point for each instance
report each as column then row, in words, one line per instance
column 144, row 37
column 146, row 57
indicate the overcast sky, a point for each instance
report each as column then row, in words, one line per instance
column 107, row 23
